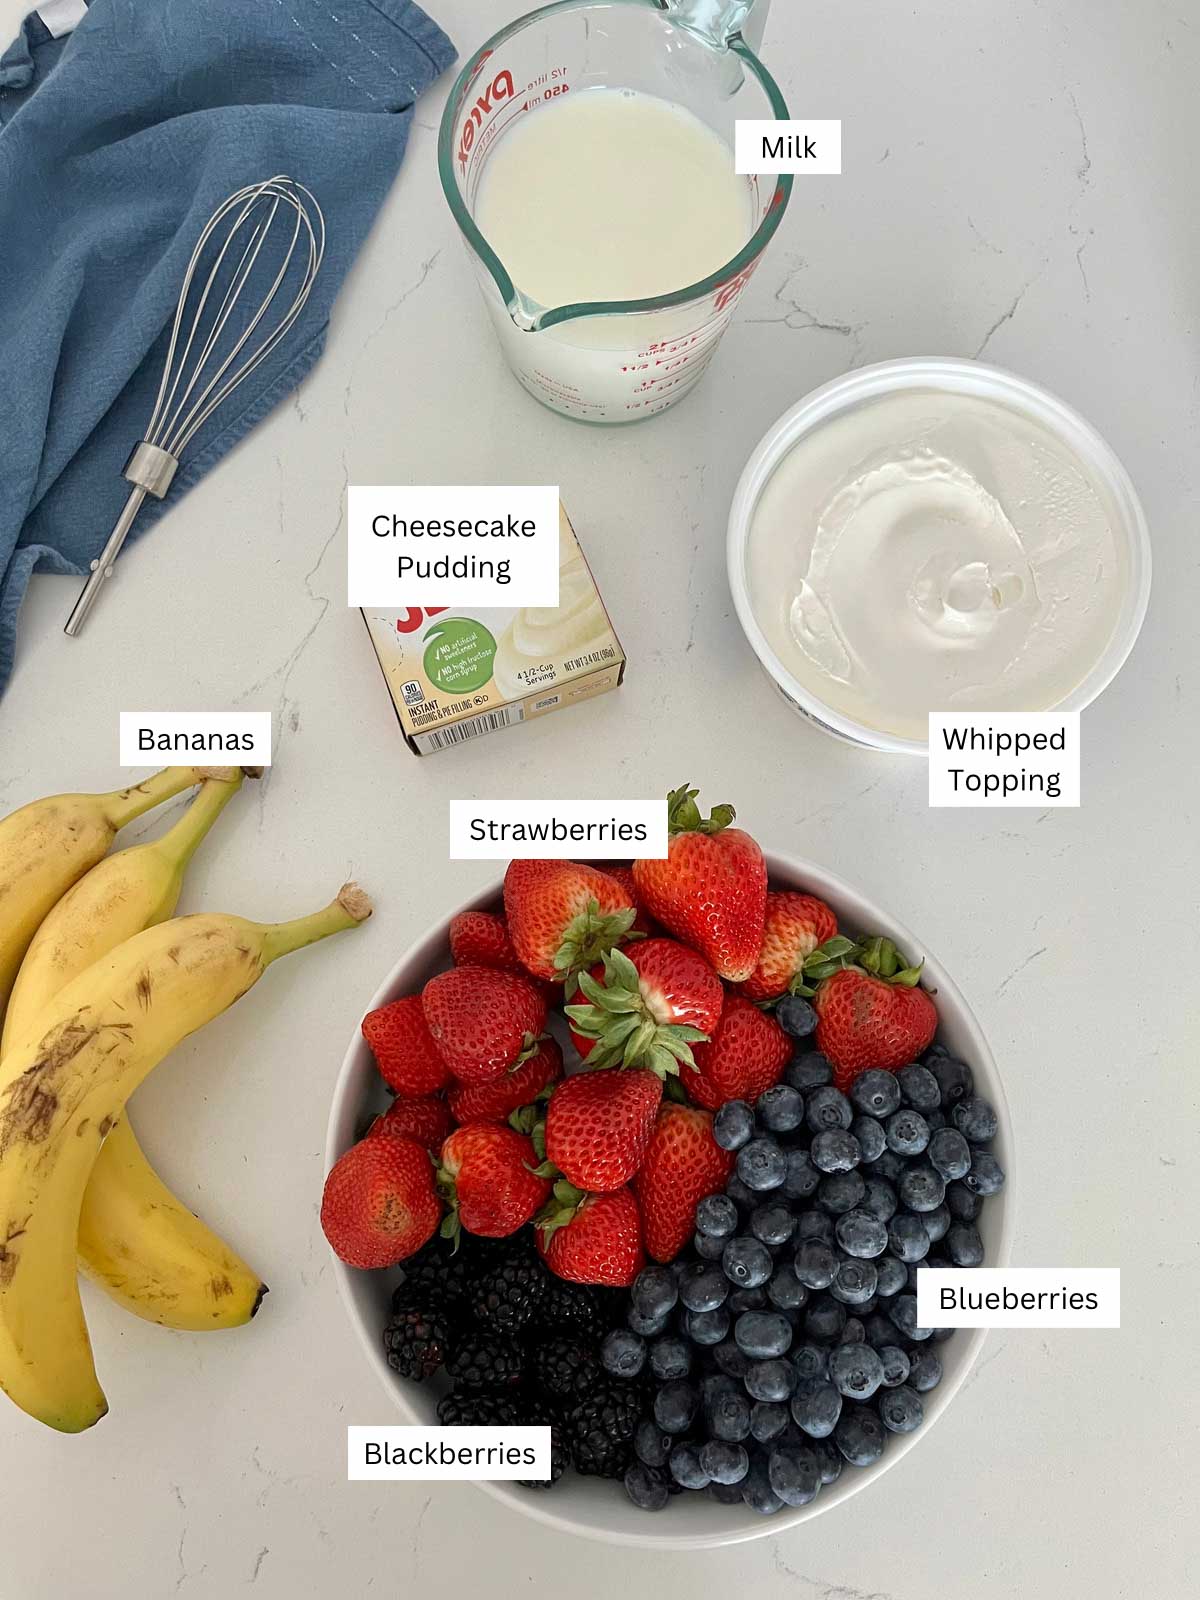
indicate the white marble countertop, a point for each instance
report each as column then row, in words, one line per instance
column 1020, row 182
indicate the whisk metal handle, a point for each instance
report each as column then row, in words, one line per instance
column 150, row 470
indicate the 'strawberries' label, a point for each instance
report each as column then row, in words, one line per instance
column 1019, row 1297
column 805, row 149
column 218, row 738
column 425, row 1454
column 560, row 830
column 1004, row 758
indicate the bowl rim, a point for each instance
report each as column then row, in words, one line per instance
column 963, row 376
column 819, row 880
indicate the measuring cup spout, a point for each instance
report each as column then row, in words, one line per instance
column 719, row 21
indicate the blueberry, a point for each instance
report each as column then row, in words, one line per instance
column 747, row 1300
column 923, row 1189
column 975, row 1120
column 950, row 1153
column 808, row 1071
column 908, row 1238
column 954, row 1078
column 784, row 1290
column 623, row 1353
column 907, row 1132
column 890, row 1275
column 757, row 1492
column 771, row 1380
column 684, row 1466
column 795, row 1016
column 716, row 1217
column 646, row 1487
column 795, row 1474
column 879, row 1199
column 727, row 1416
column 816, row 1407
column 830, row 1460
column 816, row 1264
column 761, row 1165
column 706, row 1248
column 780, row 1109
column 889, row 1166
column 963, row 1204
column 824, row 1317
column 876, row 1092
column 872, row 1140
column 986, row 1175
column 903, row 1312
column 964, row 1246
column 651, row 1444
column 835, row 1150
column 733, row 1362
column 648, row 1327
column 814, row 1225
column 828, row 1108
column 919, row 1087
column 715, row 1386
column 862, row 1235
column 841, row 1191
column 801, row 1178
column 654, row 1292
column 925, row 1372
column 743, row 1197
column 724, row 1463
column 703, row 1286
column 675, row 1404
column 859, row 1436
column 855, row 1283
column 900, row 1409
column 937, row 1222
column 670, row 1357
column 733, row 1125
column 763, row 1334
column 811, row 1361
column 746, row 1262
column 726, row 1494
column 767, row 1420
column 936, row 1119
column 895, row 1365
column 772, row 1224
column 706, row 1327
column 856, row 1371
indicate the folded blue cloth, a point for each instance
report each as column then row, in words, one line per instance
column 116, row 145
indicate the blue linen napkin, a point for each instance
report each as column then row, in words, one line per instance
column 117, row 142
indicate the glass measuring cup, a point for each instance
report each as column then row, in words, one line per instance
column 612, row 361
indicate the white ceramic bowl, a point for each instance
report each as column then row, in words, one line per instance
column 956, row 377
column 598, row 1509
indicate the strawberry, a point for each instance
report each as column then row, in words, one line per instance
column 747, row 1056
column 404, row 1051
column 795, row 925
column 592, row 1238
column 379, row 1205
column 480, row 939
column 483, row 1022
column 683, row 1163
column 563, row 917
column 497, row 1100
column 648, row 1006
column 870, row 1012
column 643, row 922
column 427, row 1121
column 598, row 1125
column 487, row 1177
column 711, row 891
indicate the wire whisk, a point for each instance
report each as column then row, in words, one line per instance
column 275, row 227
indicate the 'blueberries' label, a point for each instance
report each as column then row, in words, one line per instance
column 1019, row 1297
column 1004, row 758
column 429, row 1453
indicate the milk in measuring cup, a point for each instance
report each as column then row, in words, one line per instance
column 609, row 195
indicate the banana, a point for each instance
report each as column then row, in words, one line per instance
column 136, row 1240
column 48, row 845
column 64, row 1088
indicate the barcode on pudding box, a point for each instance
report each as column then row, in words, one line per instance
column 470, row 728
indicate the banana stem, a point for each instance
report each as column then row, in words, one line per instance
column 123, row 806
column 350, row 908
column 180, row 843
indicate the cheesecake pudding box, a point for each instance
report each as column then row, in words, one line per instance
column 455, row 674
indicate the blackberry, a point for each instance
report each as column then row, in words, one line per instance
column 478, row 1409
column 509, row 1295
column 564, row 1369
column 533, row 1411
column 415, row 1342
column 485, row 1361
column 574, row 1309
column 599, row 1430
column 438, row 1277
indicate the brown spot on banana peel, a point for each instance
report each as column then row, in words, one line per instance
column 30, row 1103
column 144, row 990
column 219, row 1286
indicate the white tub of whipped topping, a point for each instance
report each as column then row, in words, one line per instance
column 936, row 535
column 456, row 674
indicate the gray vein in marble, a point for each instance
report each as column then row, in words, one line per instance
column 1017, row 971
column 427, row 267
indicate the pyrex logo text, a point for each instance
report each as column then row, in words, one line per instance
column 500, row 88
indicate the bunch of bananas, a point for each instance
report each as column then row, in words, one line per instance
column 99, row 985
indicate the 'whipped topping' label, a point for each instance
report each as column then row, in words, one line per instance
column 1004, row 758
